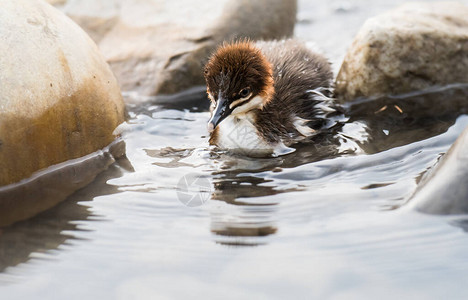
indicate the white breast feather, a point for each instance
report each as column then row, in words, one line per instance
column 239, row 133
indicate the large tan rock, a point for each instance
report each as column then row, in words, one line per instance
column 160, row 47
column 414, row 47
column 58, row 98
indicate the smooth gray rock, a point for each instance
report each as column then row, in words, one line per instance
column 444, row 189
column 160, row 47
column 414, row 47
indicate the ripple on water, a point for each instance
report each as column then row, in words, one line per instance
column 318, row 216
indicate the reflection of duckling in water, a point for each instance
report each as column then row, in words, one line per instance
column 267, row 95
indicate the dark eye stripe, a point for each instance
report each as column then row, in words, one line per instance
column 240, row 103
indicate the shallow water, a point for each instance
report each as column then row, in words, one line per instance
column 299, row 224
column 327, row 221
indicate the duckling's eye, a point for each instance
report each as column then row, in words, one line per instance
column 244, row 92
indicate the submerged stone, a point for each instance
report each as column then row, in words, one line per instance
column 58, row 98
column 160, row 47
column 48, row 187
column 414, row 47
column 444, row 189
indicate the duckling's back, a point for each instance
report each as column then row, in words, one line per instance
column 302, row 79
column 296, row 69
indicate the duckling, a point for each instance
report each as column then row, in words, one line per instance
column 267, row 95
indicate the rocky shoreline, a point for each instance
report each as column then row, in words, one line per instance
column 61, row 98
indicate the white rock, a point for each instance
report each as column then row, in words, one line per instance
column 444, row 189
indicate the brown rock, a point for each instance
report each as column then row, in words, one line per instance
column 58, row 98
column 414, row 47
column 160, row 47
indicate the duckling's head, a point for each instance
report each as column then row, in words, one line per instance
column 239, row 79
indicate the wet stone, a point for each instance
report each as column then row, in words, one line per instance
column 444, row 189
column 416, row 46
column 58, row 98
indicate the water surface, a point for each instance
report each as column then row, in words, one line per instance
column 327, row 221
